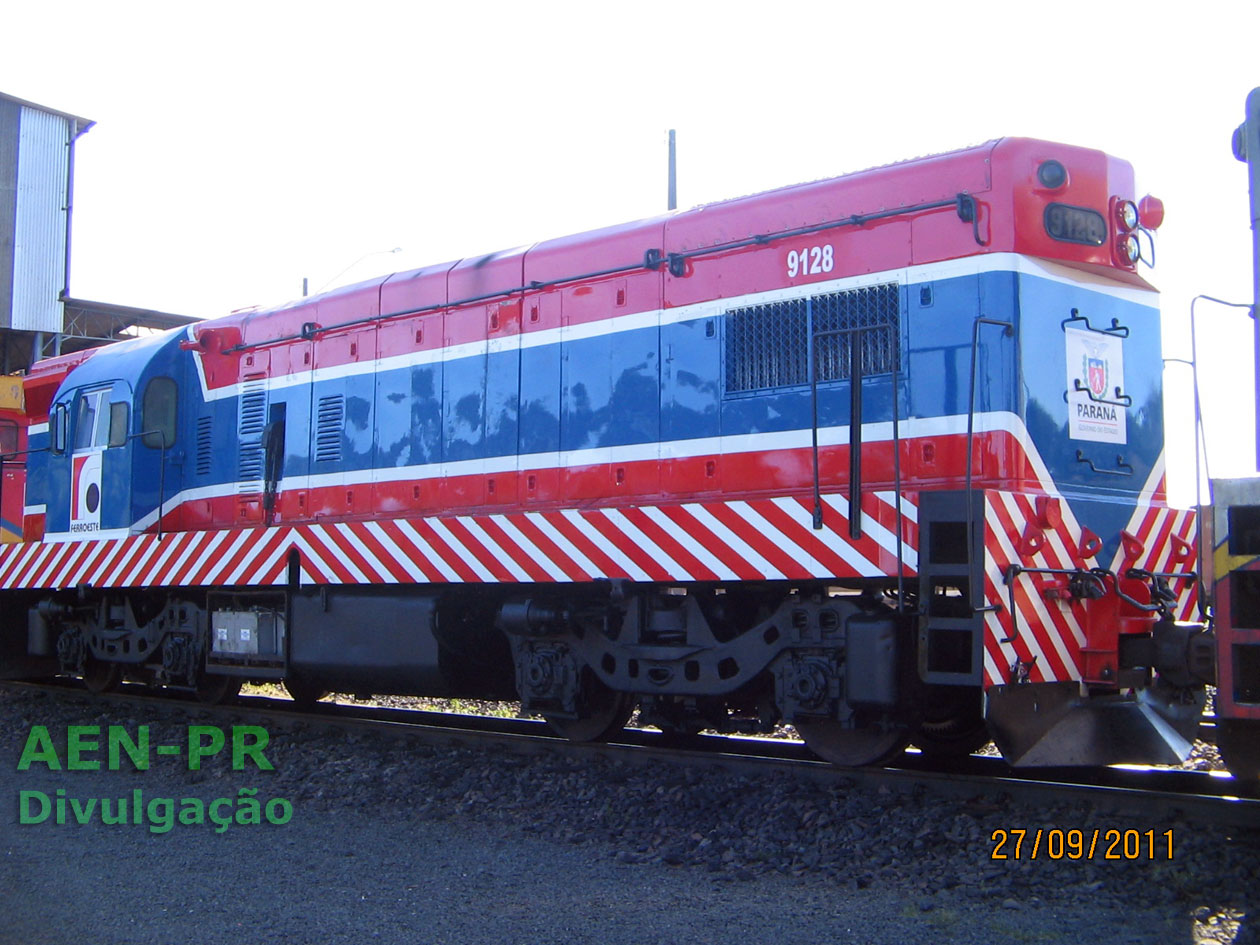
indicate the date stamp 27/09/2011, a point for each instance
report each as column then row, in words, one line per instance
column 1096, row 843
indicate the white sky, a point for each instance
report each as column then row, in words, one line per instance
column 243, row 146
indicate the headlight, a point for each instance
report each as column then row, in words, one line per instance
column 1127, row 249
column 1126, row 214
column 1051, row 174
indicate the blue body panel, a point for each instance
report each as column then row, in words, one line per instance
column 640, row 387
column 1102, row 500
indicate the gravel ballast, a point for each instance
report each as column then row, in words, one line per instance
column 395, row 841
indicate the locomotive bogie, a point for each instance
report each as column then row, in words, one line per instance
column 105, row 638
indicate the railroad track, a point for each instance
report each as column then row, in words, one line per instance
column 1203, row 796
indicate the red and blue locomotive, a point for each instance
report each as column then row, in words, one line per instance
column 880, row 456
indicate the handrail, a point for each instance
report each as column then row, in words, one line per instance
column 161, row 471
column 964, row 204
column 855, row 414
column 1008, row 328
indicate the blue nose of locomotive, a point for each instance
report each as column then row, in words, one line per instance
column 115, row 451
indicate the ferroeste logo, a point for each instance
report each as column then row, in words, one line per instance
column 85, row 492
column 88, row 748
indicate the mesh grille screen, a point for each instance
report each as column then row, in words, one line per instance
column 768, row 345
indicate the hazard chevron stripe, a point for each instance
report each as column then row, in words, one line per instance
column 1049, row 633
column 1154, row 526
column 761, row 539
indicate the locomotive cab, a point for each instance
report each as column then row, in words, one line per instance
column 113, row 460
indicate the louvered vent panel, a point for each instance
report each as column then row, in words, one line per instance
column 253, row 414
column 329, row 423
column 204, row 445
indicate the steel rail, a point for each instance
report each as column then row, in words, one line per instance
column 1204, row 797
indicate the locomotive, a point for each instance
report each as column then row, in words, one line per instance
column 879, row 456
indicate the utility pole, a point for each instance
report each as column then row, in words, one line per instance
column 1247, row 148
column 673, row 173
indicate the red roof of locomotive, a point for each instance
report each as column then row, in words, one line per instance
column 871, row 233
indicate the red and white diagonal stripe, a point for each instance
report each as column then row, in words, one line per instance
column 1154, row 526
column 1169, row 541
column 756, row 539
column 1049, row 632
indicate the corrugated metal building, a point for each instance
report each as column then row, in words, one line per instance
column 38, row 316
column 36, row 203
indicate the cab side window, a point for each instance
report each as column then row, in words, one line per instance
column 8, row 437
column 91, row 421
column 118, row 417
column 157, row 413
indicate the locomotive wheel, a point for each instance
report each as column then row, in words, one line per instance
column 213, row 689
column 604, row 713
column 303, row 694
column 100, row 676
column 952, row 731
column 1239, row 745
column 951, row 739
column 851, row 747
